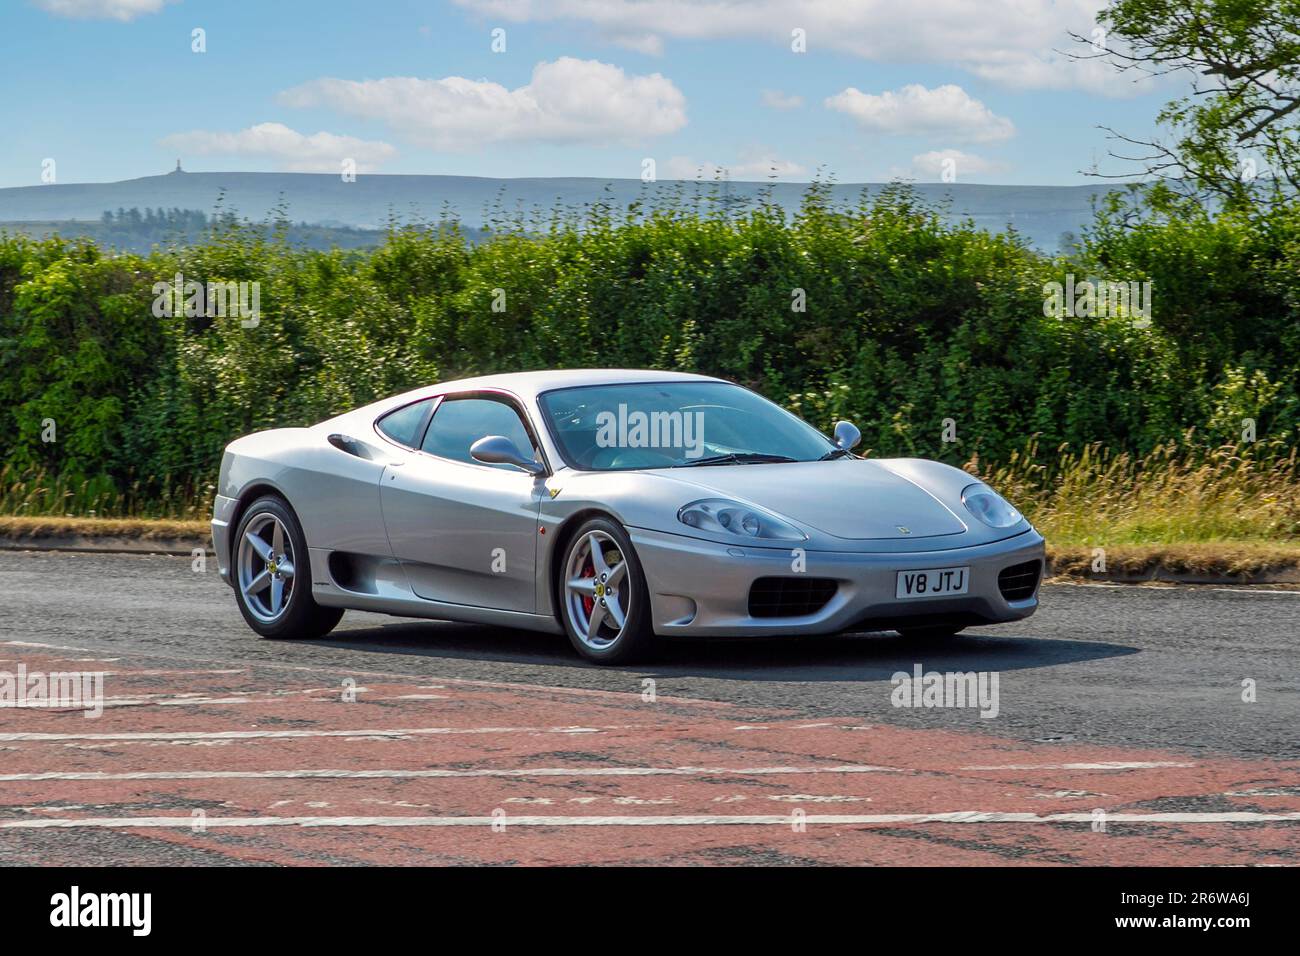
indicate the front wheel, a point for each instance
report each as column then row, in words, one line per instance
column 272, row 574
column 603, row 599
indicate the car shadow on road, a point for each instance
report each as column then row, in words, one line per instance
column 870, row 656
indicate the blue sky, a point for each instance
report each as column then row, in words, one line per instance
column 111, row 89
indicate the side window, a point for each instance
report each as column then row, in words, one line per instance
column 460, row 422
column 403, row 425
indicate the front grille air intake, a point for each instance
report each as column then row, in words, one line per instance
column 789, row 597
column 1020, row 580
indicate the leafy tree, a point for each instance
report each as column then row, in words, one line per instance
column 1235, row 137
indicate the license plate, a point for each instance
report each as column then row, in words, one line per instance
column 932, row 582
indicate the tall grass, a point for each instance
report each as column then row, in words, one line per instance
column 37, row 494
column 1179, row 493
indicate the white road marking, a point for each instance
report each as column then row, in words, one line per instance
column 326, row 694
column 238, row 697
column 1255, row 591
column 1104, row 765
column 170, row 673
column 784, row 820
column 56, row 647
column 1069, row 795
column 420, row 774
column 393, row 676
column 817, row 798
column 265, row 734
column 156, row 700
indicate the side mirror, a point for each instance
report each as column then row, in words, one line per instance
column 499, row 450
column 847, row 435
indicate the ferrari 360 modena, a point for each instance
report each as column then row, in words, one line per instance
column 620, row 507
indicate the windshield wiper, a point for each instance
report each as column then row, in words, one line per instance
column 735, row 458
column 835, row 453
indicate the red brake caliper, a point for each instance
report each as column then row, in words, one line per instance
column 588, row 602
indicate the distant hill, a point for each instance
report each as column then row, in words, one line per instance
column 1041, row 213
column 131, row 231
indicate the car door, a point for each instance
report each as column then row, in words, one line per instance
column 465, row 531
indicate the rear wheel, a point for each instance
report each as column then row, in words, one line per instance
column 272, row 574
column 603, row 599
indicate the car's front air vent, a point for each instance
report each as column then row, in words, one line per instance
column 789, row 597
column 1020, row 580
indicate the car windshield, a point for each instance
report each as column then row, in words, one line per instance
column 675, row 425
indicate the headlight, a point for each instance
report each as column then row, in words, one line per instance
column 721, row 516
column 989, row 506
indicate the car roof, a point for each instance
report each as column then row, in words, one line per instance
column 524, row 385
column 527, row 385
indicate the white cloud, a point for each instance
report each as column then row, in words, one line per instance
column 286, row 148
column 754, row 164
column 1052, row 71
column 1007, row 41
column 947, row 111
column 651, row 44
column 934, row 164
column 567, row 101
column 123, row 10
column 776, row 100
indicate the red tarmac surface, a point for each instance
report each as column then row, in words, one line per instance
column 280, row 769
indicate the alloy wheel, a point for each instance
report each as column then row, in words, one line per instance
column 597, row 594
column 266, row 567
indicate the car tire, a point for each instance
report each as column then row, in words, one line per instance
column 274, row 603
column 608, row 642
column 932, row 632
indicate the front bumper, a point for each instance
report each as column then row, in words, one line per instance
column 702, row 588
column 223, row 510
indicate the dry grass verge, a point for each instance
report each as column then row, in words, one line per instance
column 143, row 529
column 1235, row 560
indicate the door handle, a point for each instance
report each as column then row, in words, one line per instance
column 352, row 446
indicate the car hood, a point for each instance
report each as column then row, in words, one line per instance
column 851, row 499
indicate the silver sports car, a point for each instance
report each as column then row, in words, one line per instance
column 619, row 507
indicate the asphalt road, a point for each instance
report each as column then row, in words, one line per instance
column 1117, row 698
column 1121, row 665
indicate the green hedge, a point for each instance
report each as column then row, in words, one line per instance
column 907, row 321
